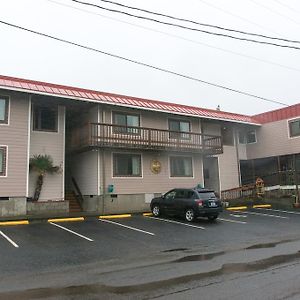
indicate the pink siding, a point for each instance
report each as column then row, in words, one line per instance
column 15, row 137
column 273, row 139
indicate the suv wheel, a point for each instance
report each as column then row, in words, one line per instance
column 212, row 217
column 190, row 215
column 155, row 210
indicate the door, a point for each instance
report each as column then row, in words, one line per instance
column 211, row 174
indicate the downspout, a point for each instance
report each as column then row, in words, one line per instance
column 237, row 155
column 28, row 146
column 103, row 169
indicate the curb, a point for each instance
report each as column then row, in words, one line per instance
column 247, row 207
column 10, row 223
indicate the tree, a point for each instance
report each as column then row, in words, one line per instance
column 41, row 164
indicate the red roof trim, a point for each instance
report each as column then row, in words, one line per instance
column 84, row 94
column 286, row 113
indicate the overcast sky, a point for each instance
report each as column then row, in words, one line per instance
column 266, row 71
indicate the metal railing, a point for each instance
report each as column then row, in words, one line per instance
column 130, row 137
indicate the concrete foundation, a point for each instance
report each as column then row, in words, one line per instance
column 13, row 207
column 49, row 207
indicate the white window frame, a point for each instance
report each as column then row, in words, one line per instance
column 7, row 98
column 6, row 160
column 288, row 128
column 126, row 176
column 182, row 177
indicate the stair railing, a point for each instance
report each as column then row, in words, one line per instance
column 78, row 194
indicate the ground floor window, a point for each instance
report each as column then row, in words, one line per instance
column 181, row 166
column 127, row 165
column 3, row 151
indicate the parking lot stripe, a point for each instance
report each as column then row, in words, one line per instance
column 128, row 227
column 263, row 215
column 10, row 240
column 283, row 211
column 66, row 229
column 24, row 222
column 238, row 216
column 232, row 221
column 175, row 222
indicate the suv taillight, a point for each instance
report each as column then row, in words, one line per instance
column 199, row 202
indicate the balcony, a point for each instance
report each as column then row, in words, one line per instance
column 100, row 135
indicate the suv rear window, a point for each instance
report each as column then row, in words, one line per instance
column 206, row 195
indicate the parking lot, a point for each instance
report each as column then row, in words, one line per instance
column 70, row 249
column 138, row 235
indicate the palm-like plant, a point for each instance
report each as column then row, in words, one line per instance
column 42, row 164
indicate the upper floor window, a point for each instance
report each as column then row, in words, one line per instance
column 181, row 166
column 178, row 127
column 294, row 127
column 45, row 118
column 248, row 137
column 3, row 109
column 227, row 136
column 3, row 160
column 251, row 137
column 127, row 123
column 127, row 165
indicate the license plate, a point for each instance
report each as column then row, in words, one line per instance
column 212, row 204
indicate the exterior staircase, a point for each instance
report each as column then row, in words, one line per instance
column 74, row 206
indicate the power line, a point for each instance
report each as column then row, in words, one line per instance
column 143, row 64
column 275, row 12
column 193, row 22
column 237, row 16
column 185, row 27
column 179, row 37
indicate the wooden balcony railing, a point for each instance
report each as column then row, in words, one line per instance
column 103, row 135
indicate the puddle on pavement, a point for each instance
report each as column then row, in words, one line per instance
column 268, row 245
column 199, row 257
column 175, row 250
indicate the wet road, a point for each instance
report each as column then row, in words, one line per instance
column 244, row 255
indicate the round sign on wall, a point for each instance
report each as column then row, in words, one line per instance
column 155, row 166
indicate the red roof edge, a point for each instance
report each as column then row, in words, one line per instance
column 278, row 114
column 64, row 91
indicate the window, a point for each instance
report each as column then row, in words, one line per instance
column 227, row 136
column 45, row 118
column 3, row 160
column 3, row 110
column 127, row 165
column 251, row 137
column 294, row 128
column 181, row 166
column 126, row 122
column 248, row 137
column 178, row 126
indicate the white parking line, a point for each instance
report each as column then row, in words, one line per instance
column 128, row 227
column 232, row 221
column 278, row 210
column 238, row 216
column 10, row 240
column 66, row 229
column 263, row 215
column 171, row 221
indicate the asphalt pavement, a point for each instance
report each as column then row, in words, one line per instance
column 142, row 257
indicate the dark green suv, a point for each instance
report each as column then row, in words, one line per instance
column 190, row 203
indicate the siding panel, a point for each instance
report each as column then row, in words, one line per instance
column 15, row 137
